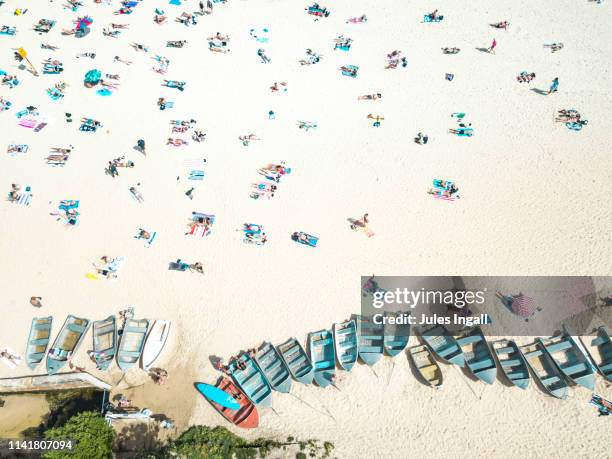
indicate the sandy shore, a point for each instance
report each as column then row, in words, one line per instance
column 530, row 199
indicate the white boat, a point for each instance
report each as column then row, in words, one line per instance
column 155, row 343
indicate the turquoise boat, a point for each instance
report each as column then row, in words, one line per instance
column 396, row 336
column 370, row 338
column 274, row 367
column 512, row 362
column 477, row 355
column 444, row 345
column 323, row 356
column 66, row 343
column 38, row 340
column 570, row 359
column 104, row 342
column 131, row 343
column 345, row 340
column 599, row 351
column 297, row 360
column 544, row 369
column 251, row 379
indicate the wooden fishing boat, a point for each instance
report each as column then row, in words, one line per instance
column 38, row 340
column 251, row 379
column 396, row 336
column 544, row 369
column 246, row 416
column 131, row 343
column 370, row 340
column 426, row 365
column 444, row 345
column 154, row 345
column 104, row 341
column 297, row 360
column 512, row 362
column 274, row 367
column 323, row 356
column 345, row 340
column 66, row 343
column 570, row 359
column 477, row 355
column 600, row 352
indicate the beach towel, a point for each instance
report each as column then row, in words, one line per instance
column 25, row 197
column 8, row 362
column 196, row 175
column 104, row 92
column 151, row 239
column 429, row 18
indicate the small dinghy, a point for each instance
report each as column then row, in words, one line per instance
column 323, row 356
column 297, row 360
column 274, row 367
column 345, row 340
column 230, row 402
column 570, row 359
column 131, row 343
column 104, row 342
column 38, row 340
column 544, row 369
column 371, row 338
column 66, row 343
column 396, row 335
column 599, row 350
column 155, row 343
column 512, row 362
column 477, row 355
column 426, row 365
column 444, row 345
column 251, row 379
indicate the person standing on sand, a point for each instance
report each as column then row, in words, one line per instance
column 492, row 47
column 554, row 85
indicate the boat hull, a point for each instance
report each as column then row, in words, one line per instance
column 66, row 343
column 299, row 363
column 444, row 346
column 345, row 342
column 274, row 368
column 512, row 362
column 323, row 357
column 104, row 342
column 131, row 343
column 544, row 370
column 155, row 343
column 426, row 365
column 478, row 356
column 38, row 340
column 370, row 340
column 245, row 416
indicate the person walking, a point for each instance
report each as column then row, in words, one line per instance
column 492, row 47
column 554, row 85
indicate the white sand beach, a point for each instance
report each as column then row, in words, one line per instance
column 533, row 199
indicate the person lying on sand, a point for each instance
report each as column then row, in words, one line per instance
column 137, row 195
column 370, row 97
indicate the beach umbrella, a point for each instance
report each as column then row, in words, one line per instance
column 24, row 54
column 523, row 305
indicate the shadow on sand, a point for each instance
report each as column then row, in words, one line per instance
column 483, row 50
column 540, row 91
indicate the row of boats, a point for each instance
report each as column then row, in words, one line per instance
column 554, row 362
column 136, row 341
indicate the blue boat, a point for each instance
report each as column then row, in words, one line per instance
column 396, row 336
column 131, row 343
column 104, row 342
column 38, row 340
column 323, row 356
column 297, row 360
column 66, row 343
column 600, row 352
column 477, row 355
column 370, row 337
column 444, row 345
column 274, row 367
column 345, row 339
column 251, row 379
column 570, row 359
column 544, row 369
column 512, row 362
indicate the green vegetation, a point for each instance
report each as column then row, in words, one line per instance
column 220, row 443
column 92, row 435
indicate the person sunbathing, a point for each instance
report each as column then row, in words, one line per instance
column 10, row 357
column 370, row 97
column 502, row 25
column 197, row 267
